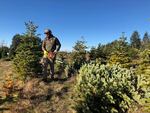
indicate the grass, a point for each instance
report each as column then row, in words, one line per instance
column 37, row 96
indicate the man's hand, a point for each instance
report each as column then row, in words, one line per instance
column 55, row 53
column 51, row 55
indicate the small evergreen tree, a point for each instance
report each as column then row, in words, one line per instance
column 120, row 53
column 28, row 53
column 144, row 69
column 104, row 89
column 98, row 52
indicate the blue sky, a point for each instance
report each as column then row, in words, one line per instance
column 98, row 21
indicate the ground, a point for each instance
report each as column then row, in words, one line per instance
column 36, row 96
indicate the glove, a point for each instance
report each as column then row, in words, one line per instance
column 45, row 54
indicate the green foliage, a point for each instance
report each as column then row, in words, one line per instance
column 26, row 60
column 144, row 71
column 111, row 49
column 120, row 54
column 80, row 46
column 133, row 53
column 145, row 57
column 99, row 52
column 77, row 57
column 61, row 62
column 4, row 52
column 60, row 65
column 15, row 42
column 146, row 41
column 120, row 58
column 31, row 29
column 64, row 64
column 135, row 40
column 27, row 52
column 104, row 89
column 69, row 70
column 146, row 38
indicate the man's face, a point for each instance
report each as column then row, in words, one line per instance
column 47, row 34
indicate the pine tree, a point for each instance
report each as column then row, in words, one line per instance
column 104, row 89
column 15, row 42
column 31, row 29
column 80, row 45
column 135, row 40
column 28, row 53
column 4, row 51
column 98, row 52
column 78, row 55
column 144, row 67
column 146, row 41
column 120, row 53
column 146, row 38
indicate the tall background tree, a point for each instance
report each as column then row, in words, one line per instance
column 98, row 52
column 146, row 41
column 77, row 56
column 4, row 50
column 15, row 42
column 135, row 40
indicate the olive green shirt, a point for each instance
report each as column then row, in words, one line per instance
column 51, row 44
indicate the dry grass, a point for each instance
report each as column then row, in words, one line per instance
column 5, row 68
column 37, row 96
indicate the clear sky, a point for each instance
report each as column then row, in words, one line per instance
column 98, row 21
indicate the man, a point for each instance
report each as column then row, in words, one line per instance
column 50, row 47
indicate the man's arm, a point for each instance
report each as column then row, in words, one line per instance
column 43, row 46
column 58, row 45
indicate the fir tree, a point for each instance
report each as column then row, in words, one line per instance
column 135, row 40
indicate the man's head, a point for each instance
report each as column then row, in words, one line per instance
column 47, row 32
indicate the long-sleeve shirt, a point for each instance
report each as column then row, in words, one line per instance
column 51, row 44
